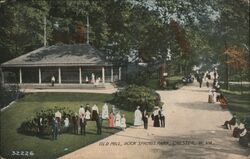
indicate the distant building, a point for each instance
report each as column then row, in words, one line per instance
column 69, row 64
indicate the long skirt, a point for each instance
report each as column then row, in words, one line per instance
column 94, row 115
column 156, row 121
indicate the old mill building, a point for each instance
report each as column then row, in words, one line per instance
column 70, row 64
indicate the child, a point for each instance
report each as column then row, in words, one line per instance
column 123, row 122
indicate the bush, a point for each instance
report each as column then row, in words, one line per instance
column 138, row 78
column 9, row 94
column 133, row 95
column 174, row 82
column 33, row 127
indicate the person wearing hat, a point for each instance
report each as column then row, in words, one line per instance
column 138, row 117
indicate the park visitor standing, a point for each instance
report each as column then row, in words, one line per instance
column 145, row 119
column 82, row 123
column 54, row 129
column 138, row 117
column 156, row 117
column 105, row 111
column 95, row 112
column 118, row 120
column 111, row 120
column 53, row 80
column 81, row 110
column 99, row 124
column 162, row 117
column 123, row 122
column 75, row 123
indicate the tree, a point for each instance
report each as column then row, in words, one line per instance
column 21, row 27
column 238, row 60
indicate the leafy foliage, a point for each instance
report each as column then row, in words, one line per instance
column 9, row 94
column 238, row 58
column 149, row 30
column 133, row 96
column 34, row 127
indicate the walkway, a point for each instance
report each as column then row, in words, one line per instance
column 193, row 131
column 108, row 89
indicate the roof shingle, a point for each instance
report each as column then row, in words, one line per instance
column 60, row 55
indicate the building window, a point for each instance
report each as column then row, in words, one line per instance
column 70, row 74
column 30, row 75
column 47, row 73
column 88, row 71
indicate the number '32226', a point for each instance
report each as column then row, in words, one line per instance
column 22, row 153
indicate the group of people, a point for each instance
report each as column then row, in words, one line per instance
column 214, row 93
column 158, row 117
column 93, row 80
column 239, row 131
column 78, row 121
column 208, row 77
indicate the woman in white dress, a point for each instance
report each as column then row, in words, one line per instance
column 118, row 120
column 123, row 122
column 138, row 117
column 105, row 111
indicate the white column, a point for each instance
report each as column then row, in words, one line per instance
column 2, row 75
column 59, row 76
column 112, row 74
column 20, row 76
column 39, row 75
column 103, row 75
column 80, row 75
column 120, row 73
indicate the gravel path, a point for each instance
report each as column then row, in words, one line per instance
column 192, row 132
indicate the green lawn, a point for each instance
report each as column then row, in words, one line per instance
column 239, row 104
column 25, row 108
column 174, row 82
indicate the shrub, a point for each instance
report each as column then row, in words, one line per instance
column 33, row 127
column 133, row 95
column 9, row 94
column 138, row 78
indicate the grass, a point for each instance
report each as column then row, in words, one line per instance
column 237, row 88
column 25, row 108
column 239, row 104
column 174, row 82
